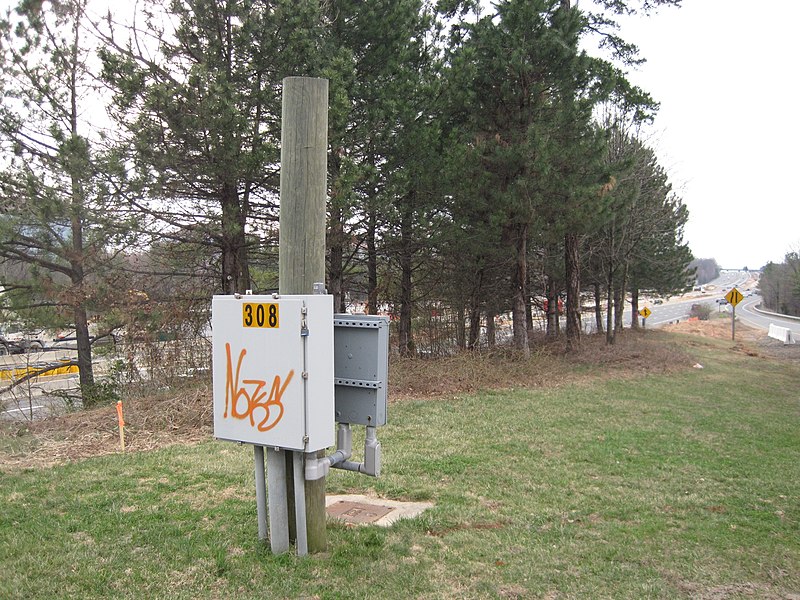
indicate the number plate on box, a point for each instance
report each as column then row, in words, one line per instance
column 260, row 314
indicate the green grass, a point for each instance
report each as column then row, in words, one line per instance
column 681, row 485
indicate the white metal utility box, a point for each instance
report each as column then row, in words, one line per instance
column 272, row 362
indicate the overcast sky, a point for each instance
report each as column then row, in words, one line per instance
column 726, row 75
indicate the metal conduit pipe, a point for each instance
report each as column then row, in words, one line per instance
column 344, row 445
column 317, row 468
column 372, row 457
column 300, row 502
column 349, row 465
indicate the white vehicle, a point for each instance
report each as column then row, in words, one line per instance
column 16, row 338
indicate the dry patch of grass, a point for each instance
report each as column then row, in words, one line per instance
column 633, row 354
column 749, row 341
column 184, row 416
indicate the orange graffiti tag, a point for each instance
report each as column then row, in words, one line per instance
column 237, row 396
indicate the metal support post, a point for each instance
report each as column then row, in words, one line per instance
column 300, row 504
column 261, row 491
column 278, row 510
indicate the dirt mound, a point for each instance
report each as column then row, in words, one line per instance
column 749, row 340
column 716, row 328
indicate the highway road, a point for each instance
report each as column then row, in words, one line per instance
column 747, row 310
column 678, row 309
column 748, row 313
column 33, row 399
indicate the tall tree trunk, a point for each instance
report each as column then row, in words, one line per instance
column 518, row 281
column 335, row 236
column 372, row 263
column 528, row 304
column 83, row 340
column 461, row 328
column 610, row 333
column 474, row 326
column 78, row 254
column 598, row 308
column 475, row 309
column 634, row 306
column 235, row 271
column 528, row 312
column 84, row 345
column 573, row 308
column 491, row 329
column 336, row 262
column 619, row 308
column 406, row 258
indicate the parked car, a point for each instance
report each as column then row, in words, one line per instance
column 9, row 347
column 68, row 339
column 18, row 339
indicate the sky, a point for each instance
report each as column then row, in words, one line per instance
column 725, row 73
column 728, row 130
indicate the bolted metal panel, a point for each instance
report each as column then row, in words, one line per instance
column 360, row 368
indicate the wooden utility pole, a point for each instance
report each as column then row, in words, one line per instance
column 301, row 259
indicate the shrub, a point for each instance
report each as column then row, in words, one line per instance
column 701, row 311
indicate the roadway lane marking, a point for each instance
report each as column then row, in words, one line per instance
column 10, row 410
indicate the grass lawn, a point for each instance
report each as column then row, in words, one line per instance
column 685, row 484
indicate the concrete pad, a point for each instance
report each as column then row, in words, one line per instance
column 357, row 509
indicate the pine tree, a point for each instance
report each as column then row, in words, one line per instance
column 61, row 220
column 200, row 102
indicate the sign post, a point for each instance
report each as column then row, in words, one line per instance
column 734, row 297
column 121, row 426
column 645, row 312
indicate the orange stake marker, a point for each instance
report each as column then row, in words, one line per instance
column 121, row 425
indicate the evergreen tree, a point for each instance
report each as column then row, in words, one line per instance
column 501, row 78
column 779, row 285
column 379, row 62
column 200, row 102
column 524, row 95
column 641, row 245
column 61, row 219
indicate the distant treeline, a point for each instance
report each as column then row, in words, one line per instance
column 780, row 285
column 706, row 269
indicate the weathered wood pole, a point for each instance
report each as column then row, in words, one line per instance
column 301, row 258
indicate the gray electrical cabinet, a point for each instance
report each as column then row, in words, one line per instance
column 360, row 368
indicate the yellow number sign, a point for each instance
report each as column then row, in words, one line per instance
column 260, row 314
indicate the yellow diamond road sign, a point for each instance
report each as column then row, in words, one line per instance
column 734, row 296
column 645, row 312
